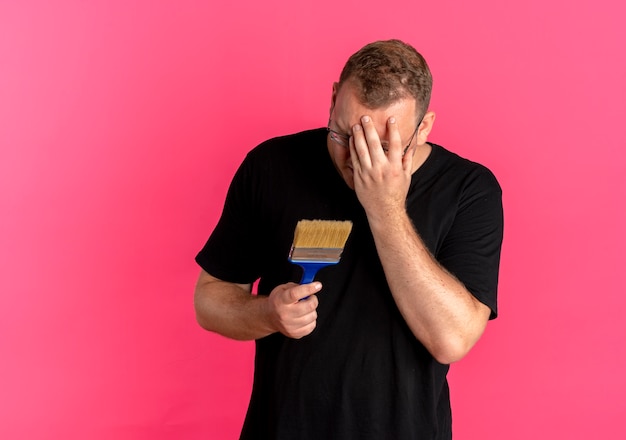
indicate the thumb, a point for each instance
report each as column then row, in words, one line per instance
column 303, row 291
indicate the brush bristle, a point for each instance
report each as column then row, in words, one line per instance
column 321, row 234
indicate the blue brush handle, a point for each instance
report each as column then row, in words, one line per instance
column 310, row 270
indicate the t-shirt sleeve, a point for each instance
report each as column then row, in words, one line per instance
column 471, row 250
column 231, row 252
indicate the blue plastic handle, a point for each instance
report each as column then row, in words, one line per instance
column 310, row 270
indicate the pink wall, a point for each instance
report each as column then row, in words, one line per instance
column 121, row 124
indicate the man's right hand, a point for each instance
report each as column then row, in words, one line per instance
column 292, row 308
column 231, row 310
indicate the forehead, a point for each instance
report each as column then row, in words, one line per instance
column 348, row 109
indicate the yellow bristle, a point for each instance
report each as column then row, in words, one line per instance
column 321, row 233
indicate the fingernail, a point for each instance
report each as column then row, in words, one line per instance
column 357, row 127
column 365, row 119
column 392, row 120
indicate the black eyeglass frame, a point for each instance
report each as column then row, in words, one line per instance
column 344, row 139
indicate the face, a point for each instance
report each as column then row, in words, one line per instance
column 346, row 111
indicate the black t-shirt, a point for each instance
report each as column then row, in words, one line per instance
column 361, row 374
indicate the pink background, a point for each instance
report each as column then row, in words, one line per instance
column 122, row 122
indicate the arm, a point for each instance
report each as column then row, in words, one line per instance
column 438, row 309
column 232, row 311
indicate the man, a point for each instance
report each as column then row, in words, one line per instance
column 363, row 351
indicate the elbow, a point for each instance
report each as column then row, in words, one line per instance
column 206, row 318
column 450, row 353
column 202, row 322
column 453, row 349
column 202, row 315
column 456, row 342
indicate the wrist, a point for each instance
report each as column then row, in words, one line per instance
column 386, row 218
column 266, row 315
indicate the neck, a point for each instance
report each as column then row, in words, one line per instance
column 421, row 154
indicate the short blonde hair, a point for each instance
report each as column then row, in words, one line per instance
column 386, row 71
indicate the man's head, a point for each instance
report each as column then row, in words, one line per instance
column 382, row 80
column 385, row 71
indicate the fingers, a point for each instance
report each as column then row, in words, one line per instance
column 381, row 172
column 367, row 143
column 395, row 150
column 294, row 308
column 295, row 292
column 369, row 148
column 359, row 149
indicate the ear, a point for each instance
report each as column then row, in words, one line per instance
column 333, row 97
column 425, row 127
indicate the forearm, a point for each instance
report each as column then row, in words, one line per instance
column 438, row 309
column 230, row 309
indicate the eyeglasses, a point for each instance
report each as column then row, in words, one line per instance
column 344, row 139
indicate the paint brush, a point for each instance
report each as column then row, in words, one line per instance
column 317, row 244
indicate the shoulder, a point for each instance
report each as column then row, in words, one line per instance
column 283, row 160
column 290, row 144
column 443, row 163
